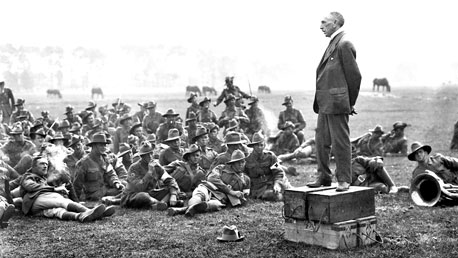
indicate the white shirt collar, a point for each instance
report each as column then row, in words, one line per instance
column 336, row 32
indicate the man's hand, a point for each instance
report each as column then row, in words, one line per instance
column 173, row 200
column 214, row 104
column 277, row 188
column 353, row 111
column 237, row 194
column 61, row 189
column 119, row 186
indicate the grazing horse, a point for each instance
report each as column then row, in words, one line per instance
column 194, row 89
column 381, row 82
column 96, row 92
column 206, row 90
column 53, row 93
column 263, row 89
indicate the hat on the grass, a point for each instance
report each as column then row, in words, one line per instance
column 415, row 147
column 230, row 234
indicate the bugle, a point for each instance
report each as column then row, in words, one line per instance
column 427, row 189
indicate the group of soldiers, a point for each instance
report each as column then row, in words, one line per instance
column 145, row 160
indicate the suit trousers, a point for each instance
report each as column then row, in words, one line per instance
column 333, row 130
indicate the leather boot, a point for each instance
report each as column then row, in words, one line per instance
column 92, row 214
column 76, row 207
column 176, row 211
column 70, row 216
column 214, row 205
column 196, row 208
column 109, row 211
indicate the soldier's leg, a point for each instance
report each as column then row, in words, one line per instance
column 386, row 179
column 24, row 164
column 198, row 202
column 286, row 156
column 144, row 200
column 6, row 212
column 379, row 187
column 300, row 136
column 49, row 200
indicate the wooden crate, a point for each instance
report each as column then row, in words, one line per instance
column 330, row 206
column 341, row 235
column 295, row 201
column 367, row 233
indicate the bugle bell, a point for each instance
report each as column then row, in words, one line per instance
column 427, row 189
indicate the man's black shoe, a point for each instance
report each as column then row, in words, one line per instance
column 319, row 183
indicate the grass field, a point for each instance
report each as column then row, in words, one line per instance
column 407, row 230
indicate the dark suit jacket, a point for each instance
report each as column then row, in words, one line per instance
column 337, row 78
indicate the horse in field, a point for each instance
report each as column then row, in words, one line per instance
column 381, row 82
column 194, row 89
column 50, row 93
column 206, row 90
column 96, row 92
column 263, row 89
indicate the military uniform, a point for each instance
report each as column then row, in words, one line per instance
column 14, row 117
column 163, row 130
column 142, row 186
column 16, row 150
column 296, row 117
column 208, row 155
column 194, row 108
column 235, row 90
column 366, row 172
column 6, row 105
column 188, row 177
column 225, row 180
column 231, row 113
column 445, row 167
column 168, row 155
column 96, row 177
column 394, row 144
column 368, row 146
column 285, row 144
column 264, row 172
column 120, row 136
column 257, row 122
column 206, row 116
column 216, row 144
column 71, row 161
column 151, row 123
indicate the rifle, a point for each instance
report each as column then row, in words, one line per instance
column 249, row 86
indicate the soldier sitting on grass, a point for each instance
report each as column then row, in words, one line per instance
column 225, row 185
column 370, row 172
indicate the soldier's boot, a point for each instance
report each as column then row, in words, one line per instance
column 214, row 205
column 286, row 156
column 18, row 203
column 159, row 206
column 111, row 200
column 176, row 211
column 76, row 207
column 70, row 215
column 109, row 211
column 196, row 208
column 92, row 214
column 6, row 213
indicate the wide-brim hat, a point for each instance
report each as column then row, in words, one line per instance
column 199, row 132
column 377, row 129
column 415, row 147
column 288, row 99
column 2, row 83
column 58, row 136
column 75, row 127
column 192, row 95
column 16, row 129
column 150, row 104
column 124, row 148
column 19, row 102
column 124, row 118
column 40, row 131
column 211, row 126
column 99, row 137
column 85, row 115
column 253, row 100
column 75, row 139
column 229, row 97
column 257, row 138
column 134, row 126
column 145, row 148
column 69, row 109
column 193, row 148
column 64, row 124
column 172, row 135
column 399, row 124
column 91, row 105
column 170, row 112
column 233, row 138
column 117, row 102
column 192, row 117
column 206, row 99
column 151, row 138
column 230, row 234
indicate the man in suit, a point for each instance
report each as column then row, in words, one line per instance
column 337, row 87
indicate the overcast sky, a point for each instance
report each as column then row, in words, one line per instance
column 410, row 42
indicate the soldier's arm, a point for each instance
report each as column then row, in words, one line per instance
column 80, row 175
column 220, row 98
column 300, row 121
column 110, row 176
column 242, row 116
column 215, row 178
column 280, row 121
column 11, row 98
column 449, row 162
column 278, row 173
column 120, row 169
column 30, row 185
column 243, row 94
